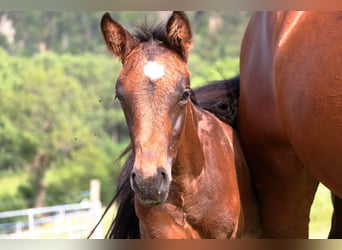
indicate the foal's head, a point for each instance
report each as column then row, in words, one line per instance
column 153, row 88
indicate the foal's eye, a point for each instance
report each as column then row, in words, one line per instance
column 185, row 96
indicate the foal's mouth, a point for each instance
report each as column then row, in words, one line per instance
column 151, row 199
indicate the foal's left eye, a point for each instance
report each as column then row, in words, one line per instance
column 185, row 95
column 119, row 98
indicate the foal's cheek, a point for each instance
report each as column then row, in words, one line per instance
column 128, row 116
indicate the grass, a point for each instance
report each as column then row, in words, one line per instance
column 320, row 215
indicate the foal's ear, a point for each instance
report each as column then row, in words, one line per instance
column 179, row 33
column 119, row 41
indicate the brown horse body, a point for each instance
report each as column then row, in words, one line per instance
column 186, row 169
column 290, row 115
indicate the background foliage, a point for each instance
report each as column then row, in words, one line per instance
column 59, row 123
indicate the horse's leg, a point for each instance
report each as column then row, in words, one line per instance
column 285, row 190
column 336, row 221
column 285, row 205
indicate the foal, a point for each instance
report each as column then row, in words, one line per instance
column 186, row 169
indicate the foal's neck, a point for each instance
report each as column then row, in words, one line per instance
column 190, row 157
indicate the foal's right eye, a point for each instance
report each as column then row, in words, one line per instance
column 185, row 96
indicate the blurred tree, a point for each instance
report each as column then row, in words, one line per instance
column 50, row 114
column 216, row 33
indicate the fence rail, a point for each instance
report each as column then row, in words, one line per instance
column 61, row 221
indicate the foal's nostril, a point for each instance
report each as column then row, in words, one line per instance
column 133, row 175
column 133, row 179
column 163, row 174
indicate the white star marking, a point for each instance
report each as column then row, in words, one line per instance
column 154, row 70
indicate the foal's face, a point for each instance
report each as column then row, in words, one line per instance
column 153, row 88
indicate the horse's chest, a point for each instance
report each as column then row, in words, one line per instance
column 211, row 223
column 206, row 215
column 200, row 217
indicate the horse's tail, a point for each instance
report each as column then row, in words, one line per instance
column 220, row 98
column 125, row 224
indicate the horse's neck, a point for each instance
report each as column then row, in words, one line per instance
column 190, row 157
column 191, row 162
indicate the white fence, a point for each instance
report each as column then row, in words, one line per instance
column 73, row 221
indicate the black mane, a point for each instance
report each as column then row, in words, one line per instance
column 148, row 32
column 126, row 223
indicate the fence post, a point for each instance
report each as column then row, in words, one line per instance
column 30, row 215
column 95, row 208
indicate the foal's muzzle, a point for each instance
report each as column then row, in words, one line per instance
column 151, row 190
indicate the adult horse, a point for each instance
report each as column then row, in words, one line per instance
column 186, row 169
column 290, row 115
